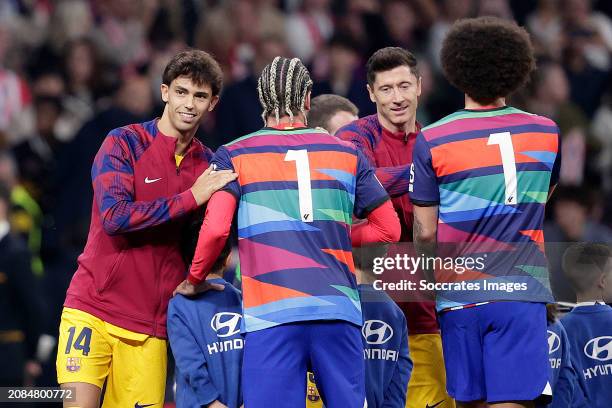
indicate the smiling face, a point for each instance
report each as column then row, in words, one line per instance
column 395, row 93
column 186, row 104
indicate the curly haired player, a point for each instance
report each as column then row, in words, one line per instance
column 480, row 181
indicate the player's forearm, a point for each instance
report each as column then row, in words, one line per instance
column 213, row 234
column 425, row 230
column 395, row 180
column 123, row 215
column 382, row 226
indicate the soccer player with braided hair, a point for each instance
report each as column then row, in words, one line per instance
column 296, row 193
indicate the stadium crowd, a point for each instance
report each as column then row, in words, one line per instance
column 73, row 70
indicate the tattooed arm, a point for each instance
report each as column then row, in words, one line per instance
column 425, row 234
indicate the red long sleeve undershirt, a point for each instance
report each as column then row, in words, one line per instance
column 382, row 226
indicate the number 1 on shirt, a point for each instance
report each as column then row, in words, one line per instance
column 504, row 140
column 303, row 179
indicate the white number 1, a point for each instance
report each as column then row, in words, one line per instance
column 303, row 179
column 504, row 140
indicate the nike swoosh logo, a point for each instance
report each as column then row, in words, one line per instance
column 137, row 405
column 434, row 405
column 149, row 181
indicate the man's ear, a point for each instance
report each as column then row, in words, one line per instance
column 213, row 102
column 418, row 87
column 371, row 93
column 164, row 92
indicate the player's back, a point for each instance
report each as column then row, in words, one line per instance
column 298, row 189
column 493, row 170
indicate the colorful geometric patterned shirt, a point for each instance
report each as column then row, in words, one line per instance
column 297, row 191
column 490, row 172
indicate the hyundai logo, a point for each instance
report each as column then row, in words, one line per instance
column 376, row 332
column 554, row 342
column 226, row 324
column 599, row 348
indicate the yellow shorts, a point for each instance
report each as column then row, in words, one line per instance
column 92, row 351
column 427, row 386
column 313, row 399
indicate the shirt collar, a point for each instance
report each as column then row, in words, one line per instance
column 401, row 135
column 579, row 304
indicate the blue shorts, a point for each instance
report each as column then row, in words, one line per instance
column 276, row 360
column 496, row 352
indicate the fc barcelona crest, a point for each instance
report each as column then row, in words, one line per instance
column 73, row 364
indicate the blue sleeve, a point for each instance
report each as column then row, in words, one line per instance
column 567, row 380
column 423, row 188
column 556, row 170
column 395, row 395
column 190, row 360
column 223, row 161
column 369, row 193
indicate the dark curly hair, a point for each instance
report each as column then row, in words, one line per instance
column 487, row 58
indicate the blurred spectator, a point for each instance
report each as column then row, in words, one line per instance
column 121, row 30
column 452, row 10
column 231, row 31
column 494, row 8
column 309, row 29
column 571, row 223
column 401, row 21
column 21, row 308
column 601, row 128
column 591, row 30
column 232, row 123
column 26, row 216
column 132, row 103
column 14, row 90
column 37, row 156
column 424, row 114
column 550, row 97
column 63, row 27
column 84, row 83
column 344, row 73
column 544, row 24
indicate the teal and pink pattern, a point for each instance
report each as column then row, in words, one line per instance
column 297, row 191
column 490, row 172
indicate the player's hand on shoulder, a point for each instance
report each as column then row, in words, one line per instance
column 209, row 182
column 187, row 288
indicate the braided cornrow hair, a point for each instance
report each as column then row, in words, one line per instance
column 282, row 88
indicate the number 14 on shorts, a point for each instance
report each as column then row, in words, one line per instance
column 82, row 342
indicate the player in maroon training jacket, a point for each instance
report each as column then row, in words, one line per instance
column 387, row 139
column 148, row 179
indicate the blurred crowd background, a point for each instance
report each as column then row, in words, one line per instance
column 71, row 70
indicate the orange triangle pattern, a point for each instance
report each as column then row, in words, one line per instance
column 346, row 257
column 260, row 293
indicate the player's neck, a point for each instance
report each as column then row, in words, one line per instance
column 408, row 127
column 473, row 105
column 183, row 138
column 590, row 296
column 286, row 121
